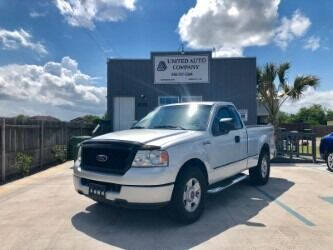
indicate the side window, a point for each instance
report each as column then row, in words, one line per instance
column 235, row 118
column 221, row 113
column 226, row 112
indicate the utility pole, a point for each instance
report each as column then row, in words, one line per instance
column 182, row 48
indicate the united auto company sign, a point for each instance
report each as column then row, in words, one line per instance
column 181, row 69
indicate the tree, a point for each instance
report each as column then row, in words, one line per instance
column 274, row 89
column 21, row 117
column 93, row 119
column 284, row 118
column 329, row 115
column 315, row 115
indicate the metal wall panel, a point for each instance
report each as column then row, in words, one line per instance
column 231, row 79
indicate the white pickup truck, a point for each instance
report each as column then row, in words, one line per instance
column 173, row 157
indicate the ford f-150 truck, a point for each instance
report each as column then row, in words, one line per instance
column 173, row 157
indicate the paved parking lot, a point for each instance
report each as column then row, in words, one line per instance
column 294, row 211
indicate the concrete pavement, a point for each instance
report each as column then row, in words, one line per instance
column 294, row 211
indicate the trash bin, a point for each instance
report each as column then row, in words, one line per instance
column 72, row 146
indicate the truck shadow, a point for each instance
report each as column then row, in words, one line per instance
column 152, row 229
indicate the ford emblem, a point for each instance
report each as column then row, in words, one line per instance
column 102, row 158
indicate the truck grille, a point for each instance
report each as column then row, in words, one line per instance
column 108, row 157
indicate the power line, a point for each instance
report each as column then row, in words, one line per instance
column 101, row 36
column 90, row 34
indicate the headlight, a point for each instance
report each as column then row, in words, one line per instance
column 79, row 153
column 151, row 158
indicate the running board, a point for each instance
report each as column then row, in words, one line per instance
column 222, row 185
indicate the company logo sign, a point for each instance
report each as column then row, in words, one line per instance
column 161, row 66
column 181, row 69
column 102, row 158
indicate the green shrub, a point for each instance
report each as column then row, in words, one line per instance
column 23, row 163
column 59, row 153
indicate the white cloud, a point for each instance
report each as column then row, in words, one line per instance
column 292, row 28
column 230, row 26
column 312, row 43
column 86, row 13
column 56, row 88
column 35, row 14
column 311, row 96
column 16, row 39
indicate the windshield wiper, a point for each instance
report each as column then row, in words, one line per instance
column 170, row 127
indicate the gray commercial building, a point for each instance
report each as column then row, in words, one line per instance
column 137, row 86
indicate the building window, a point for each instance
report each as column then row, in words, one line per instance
column 191, row 98
column 163, row 100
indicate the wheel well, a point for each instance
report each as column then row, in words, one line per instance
column 265, row 148
column 194, row 162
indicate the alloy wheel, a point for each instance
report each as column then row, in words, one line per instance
column 264, row 167
column 330, row 161
column 192, row 195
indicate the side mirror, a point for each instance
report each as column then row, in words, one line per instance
column 225, row 125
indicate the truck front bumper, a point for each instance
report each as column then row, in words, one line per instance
column 130, row 195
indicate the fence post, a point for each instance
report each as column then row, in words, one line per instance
column 314, row 149
column 297, row 140
column 3, row 147
column 62, row 134
column 290, row 147
column 41, row 143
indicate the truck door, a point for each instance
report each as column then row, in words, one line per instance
column 242, row 140
column 225, row 148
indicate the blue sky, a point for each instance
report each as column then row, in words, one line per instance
column 74, row 44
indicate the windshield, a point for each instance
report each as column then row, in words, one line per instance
column 187, row 117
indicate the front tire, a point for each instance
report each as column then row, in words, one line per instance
column 188, row 198
column 329, row 162
column 259, row 175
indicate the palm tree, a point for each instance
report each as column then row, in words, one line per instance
column 274, row 89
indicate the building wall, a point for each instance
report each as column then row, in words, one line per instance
column 231, row 79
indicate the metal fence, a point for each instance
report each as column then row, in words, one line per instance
column 296, row 144
column 35, row 138
column 318, row 130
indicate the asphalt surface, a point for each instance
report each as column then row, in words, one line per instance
column 293, row 211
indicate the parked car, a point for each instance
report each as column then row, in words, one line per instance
column 326, row 150
column 173, row 157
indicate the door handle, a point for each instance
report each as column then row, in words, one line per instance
column 237, row 138
column 206, row 143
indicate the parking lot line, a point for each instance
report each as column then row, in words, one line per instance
column 328, row 199
column 287, row 208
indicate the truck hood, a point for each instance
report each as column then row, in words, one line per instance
column 156, row 137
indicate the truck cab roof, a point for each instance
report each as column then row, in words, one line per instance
column 201, row 103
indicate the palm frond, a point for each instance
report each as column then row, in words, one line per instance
column 259, row 74
column 285, row 90
column 281, row 72
column 301, row 83
column 269, row 73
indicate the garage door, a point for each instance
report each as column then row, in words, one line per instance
column 123, row 112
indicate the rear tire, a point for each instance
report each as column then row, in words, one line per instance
column 259, row 175
column 329, row 161
column 188, row 197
